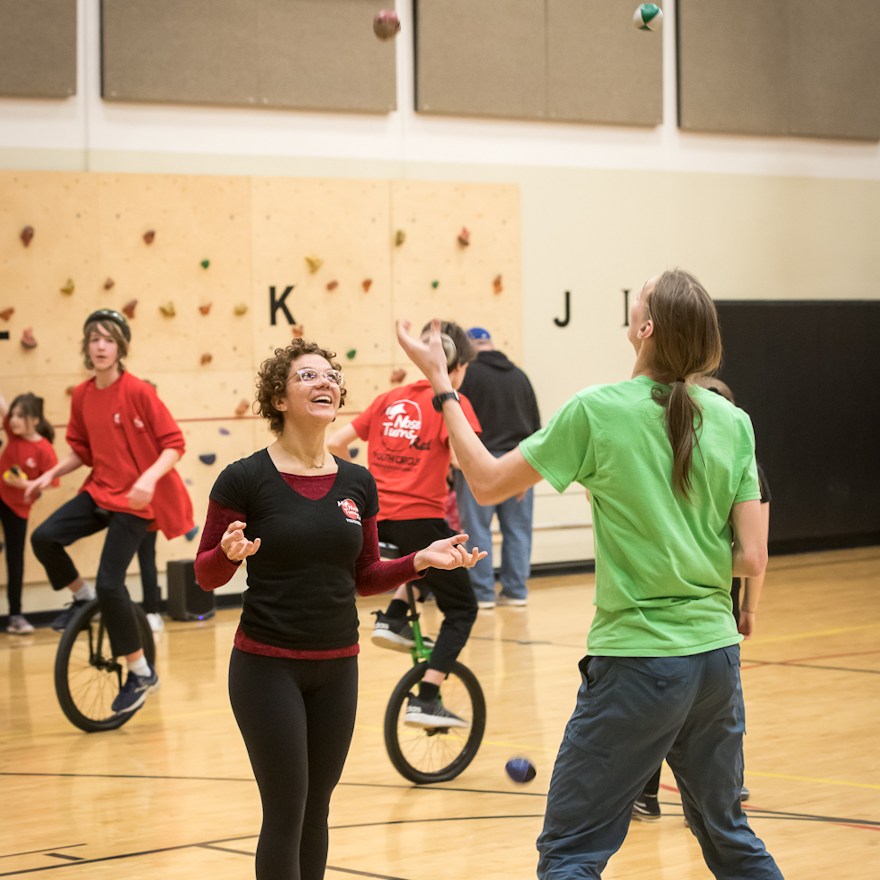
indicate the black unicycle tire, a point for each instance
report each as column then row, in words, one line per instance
column 87, row 676
column 423, row 757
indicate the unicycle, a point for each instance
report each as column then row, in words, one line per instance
column 435, row 754
column 87, row 675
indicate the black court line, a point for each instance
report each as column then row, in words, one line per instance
column 364, row 873
column 33, row 852
column 55, row 855
column 820, row 563
column 748, row 663
column 237, row 852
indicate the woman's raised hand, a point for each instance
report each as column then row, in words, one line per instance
column 448, row 553
column 428, row 356
column 235, row 545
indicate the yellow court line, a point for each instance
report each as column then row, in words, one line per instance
column 811, row 779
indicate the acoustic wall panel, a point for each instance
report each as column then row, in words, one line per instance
column 180, row 51
column 480, row 59
column 599, row 67
column 791, row 68
column 733, row 66
column 37, row 48
column 835, row 69
column 304, row 54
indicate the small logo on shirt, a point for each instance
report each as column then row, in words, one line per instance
column 31, row 462
column 349, row 508
column 138, row 423
column 401, row 425
column 117, row 419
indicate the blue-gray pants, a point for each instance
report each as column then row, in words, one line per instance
column 631, row 713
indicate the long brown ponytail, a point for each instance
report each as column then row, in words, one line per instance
column 687, row 342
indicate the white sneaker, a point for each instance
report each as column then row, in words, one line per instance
column 486, row 605
column 18, row 625
column 156, row 622
column 508, row 600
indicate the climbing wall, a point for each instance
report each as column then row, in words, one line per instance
column 215, row 273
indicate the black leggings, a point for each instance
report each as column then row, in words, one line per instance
column 297, row 719
column 15, row 531
column 76, row 519
column 452, row 589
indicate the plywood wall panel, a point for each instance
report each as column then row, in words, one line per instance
column 432, row 216
column 599, row 67
column 346, row 224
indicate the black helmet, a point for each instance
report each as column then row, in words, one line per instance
column 110, row 315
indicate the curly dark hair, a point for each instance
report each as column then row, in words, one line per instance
column 274, row 372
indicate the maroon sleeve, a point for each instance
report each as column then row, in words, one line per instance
column 374, row 575
column 213, row 567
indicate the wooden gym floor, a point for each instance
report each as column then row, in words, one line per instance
column 170, row 795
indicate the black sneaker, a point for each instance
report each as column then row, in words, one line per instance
column 61, row 621
column 135, row 690
column 430, row 713
column 646, row 808
column 395, row 633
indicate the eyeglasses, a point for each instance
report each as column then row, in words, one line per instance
column 310, row 377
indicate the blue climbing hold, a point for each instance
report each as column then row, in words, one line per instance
column 208, row 458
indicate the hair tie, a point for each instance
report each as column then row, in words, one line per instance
column 680, row 380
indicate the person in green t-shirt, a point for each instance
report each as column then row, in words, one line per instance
column 670, row 468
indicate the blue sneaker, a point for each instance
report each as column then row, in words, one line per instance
column 135, row 690
column 59, row 624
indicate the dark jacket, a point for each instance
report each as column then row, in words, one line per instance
column 503, row 399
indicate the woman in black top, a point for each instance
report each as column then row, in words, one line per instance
column 307, row 523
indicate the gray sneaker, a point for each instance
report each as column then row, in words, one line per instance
column 135, row 690
column 395, row 633
column 430, row 714
column 18, row 625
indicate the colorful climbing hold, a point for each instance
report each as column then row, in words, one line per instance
column 332, row 285
column 205, row 309
column 27, row 338
column 314, row 263
column 496, row 284
column 190, row 535
column 206, row 359
column 27, row 235
column 69, row 390
column 128, row 309
column 240, row 309
column 435, row 284
column 69, row 287
column 399, row 237
column 297, row 330
column 224, row 431
column 464, row 237
column 149, row 235
column 351, row 353
column 168, row 309
column 208, row 458
column 205, row 263
column 354, row 451
column 397, row 376
column 366, row 283
column 6, row 314
column 243, row 407
column 108, row 284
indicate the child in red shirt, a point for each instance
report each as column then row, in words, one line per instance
column 121, row 430
column 28, row 454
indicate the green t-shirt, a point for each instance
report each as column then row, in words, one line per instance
column 663, row 564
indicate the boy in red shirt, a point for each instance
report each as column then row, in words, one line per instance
column 408, row 456
column 121, row 430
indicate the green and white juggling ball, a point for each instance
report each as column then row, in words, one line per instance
column 648, row 17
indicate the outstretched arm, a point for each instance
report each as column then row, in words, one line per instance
column 490, row 479
column 34, row 487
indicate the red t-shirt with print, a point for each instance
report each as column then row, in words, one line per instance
column 33, row 458
column 409, row 451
